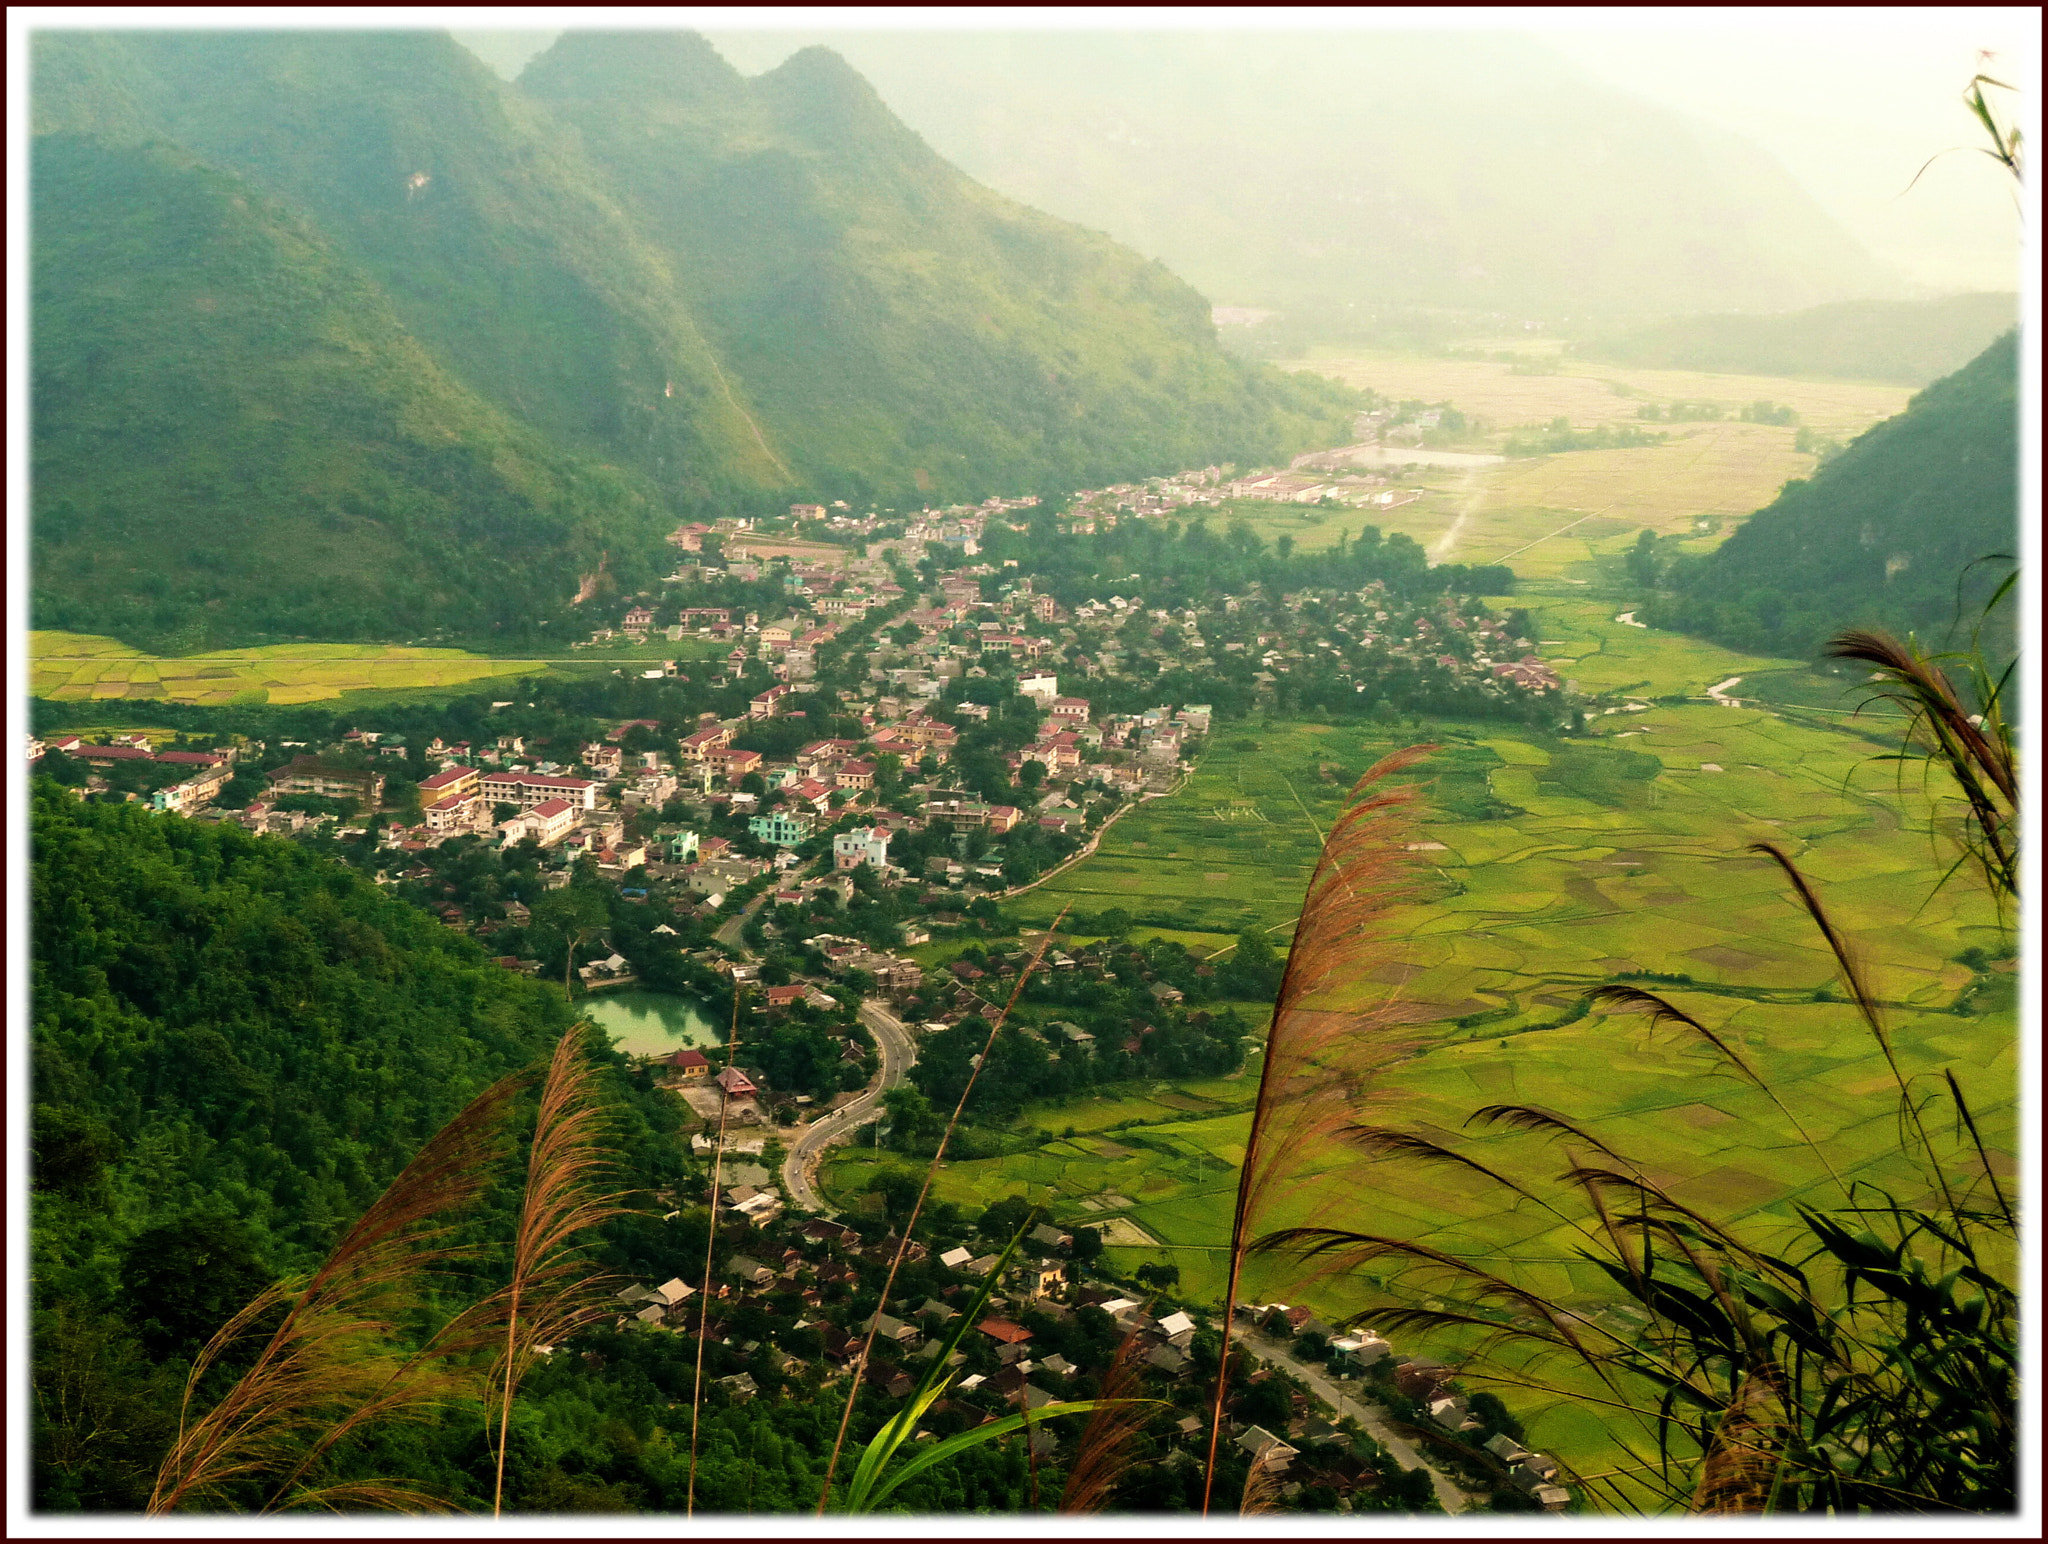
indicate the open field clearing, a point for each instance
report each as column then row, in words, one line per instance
column 71, row 667
column 1591, row 394
column 74, row 667
column 1545, row 515
column 1704, row 472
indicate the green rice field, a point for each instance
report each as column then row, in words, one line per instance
column 80, row 667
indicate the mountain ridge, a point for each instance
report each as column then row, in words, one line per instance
column 795, row 297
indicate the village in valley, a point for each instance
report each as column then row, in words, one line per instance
column 872, row 731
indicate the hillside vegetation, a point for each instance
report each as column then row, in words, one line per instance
column 889, row 315
column 1911, row 342
column 1880, row 536
column 236, row 435
column 339, row 335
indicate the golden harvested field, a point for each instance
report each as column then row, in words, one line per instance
column 1543, row 515
column 72, row 667
column 1591, row 394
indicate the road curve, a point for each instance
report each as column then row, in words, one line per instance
column 898, row 1053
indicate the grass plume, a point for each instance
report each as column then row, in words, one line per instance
column 1976, row 751
column 1315, row 1059
column 1108, row 1446
column 331, row 1366
column 551, row 1295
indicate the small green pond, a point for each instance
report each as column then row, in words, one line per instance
column 643, row 1023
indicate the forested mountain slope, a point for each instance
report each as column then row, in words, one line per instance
column 337, row 334
column 236, row 435
column 1375, row 167
column 495, row 240
column 1881, row 535
column 236, row 1044
column 886, row 311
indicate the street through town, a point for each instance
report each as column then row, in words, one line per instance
column 898, row 1053
column 1325, row 1388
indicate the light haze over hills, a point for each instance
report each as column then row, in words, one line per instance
column 1474, row 170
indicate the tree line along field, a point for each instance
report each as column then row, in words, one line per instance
column 1590, row 394
column 77, row 667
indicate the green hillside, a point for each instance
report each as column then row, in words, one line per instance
column 495, row 242
column 236, row 437
column 833, row 257
column 1881, row 535
column 1911, row 342
column 237, row 1018
column 337, row 335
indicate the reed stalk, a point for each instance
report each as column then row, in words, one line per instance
column 732, row 1041
column 1315, row 1059
column 931, row 1172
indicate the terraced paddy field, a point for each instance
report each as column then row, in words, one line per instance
column 1619, row 855
column 78, row 667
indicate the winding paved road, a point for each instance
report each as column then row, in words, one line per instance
column 899, row 1053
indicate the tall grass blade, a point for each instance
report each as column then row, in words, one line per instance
column 732, row 1042
column 917, row 1209
column 1866, row 1005
column 1662, row 1011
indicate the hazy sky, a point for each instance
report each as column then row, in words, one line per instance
column 1853, row 101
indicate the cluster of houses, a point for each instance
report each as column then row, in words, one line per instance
column 1420, row 1378
column 807, row 1275
column 200, row 775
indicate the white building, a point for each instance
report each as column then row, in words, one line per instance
column 1039, row 685
column 863, row 844
column 547, row 823
column 527, row 789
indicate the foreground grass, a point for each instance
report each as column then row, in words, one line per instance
column 1559, row 870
